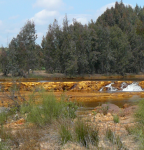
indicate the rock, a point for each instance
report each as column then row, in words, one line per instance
column 130, row 110
column 111, row 108
column 57, row 86
column 126, row 105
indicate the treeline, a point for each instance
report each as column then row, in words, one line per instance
column 112, row 44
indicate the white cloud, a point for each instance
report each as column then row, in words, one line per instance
column 82, row 18
column 15, row 30
column 3, row 41
column 44, row 16
column 1, row 23
column 49, row 4
column 40, row 35
column 14, row 17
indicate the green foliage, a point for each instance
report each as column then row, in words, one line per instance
column 3, row 146
column 85, row 134
column 22, row 53
column 130, row 130
column 49, row 110
column 140, row 113
column 112, row 44
column 114, row 139
column 65, row 133
column 71, row 108
column 109, row 135
column 3, row 117
column 139, row 130
column 116, row 118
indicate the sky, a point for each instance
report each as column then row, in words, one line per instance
column 15, row 13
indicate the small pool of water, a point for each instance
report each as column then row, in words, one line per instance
column 88, row 106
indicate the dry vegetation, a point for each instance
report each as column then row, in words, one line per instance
column 53, row 124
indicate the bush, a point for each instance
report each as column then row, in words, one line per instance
column 85, row 134
column 49, row 110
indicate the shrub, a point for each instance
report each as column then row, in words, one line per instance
column 49, row 109
column 69, row 109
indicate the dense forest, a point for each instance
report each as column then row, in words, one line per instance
column 114, row 43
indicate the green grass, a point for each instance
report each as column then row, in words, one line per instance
column 3, row 146
column 110, row 135
column 65, row 134
column 50, row 109
column 3, row 117
column 114, row 139
column 85, row 134
column 116, row 119
column 139, row 129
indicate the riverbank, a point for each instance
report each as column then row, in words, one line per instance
column 28, row 129
column 39, row 75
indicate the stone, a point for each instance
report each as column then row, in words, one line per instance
column 126, row 105
column 130, row 110
column 112, row 108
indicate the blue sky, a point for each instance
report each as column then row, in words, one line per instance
column 15, row 13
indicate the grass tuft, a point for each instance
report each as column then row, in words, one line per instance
column 114, row 139
column 116, row 119
column 85, row 134
column 65, row 133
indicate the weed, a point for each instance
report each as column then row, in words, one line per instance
column 116, row 119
